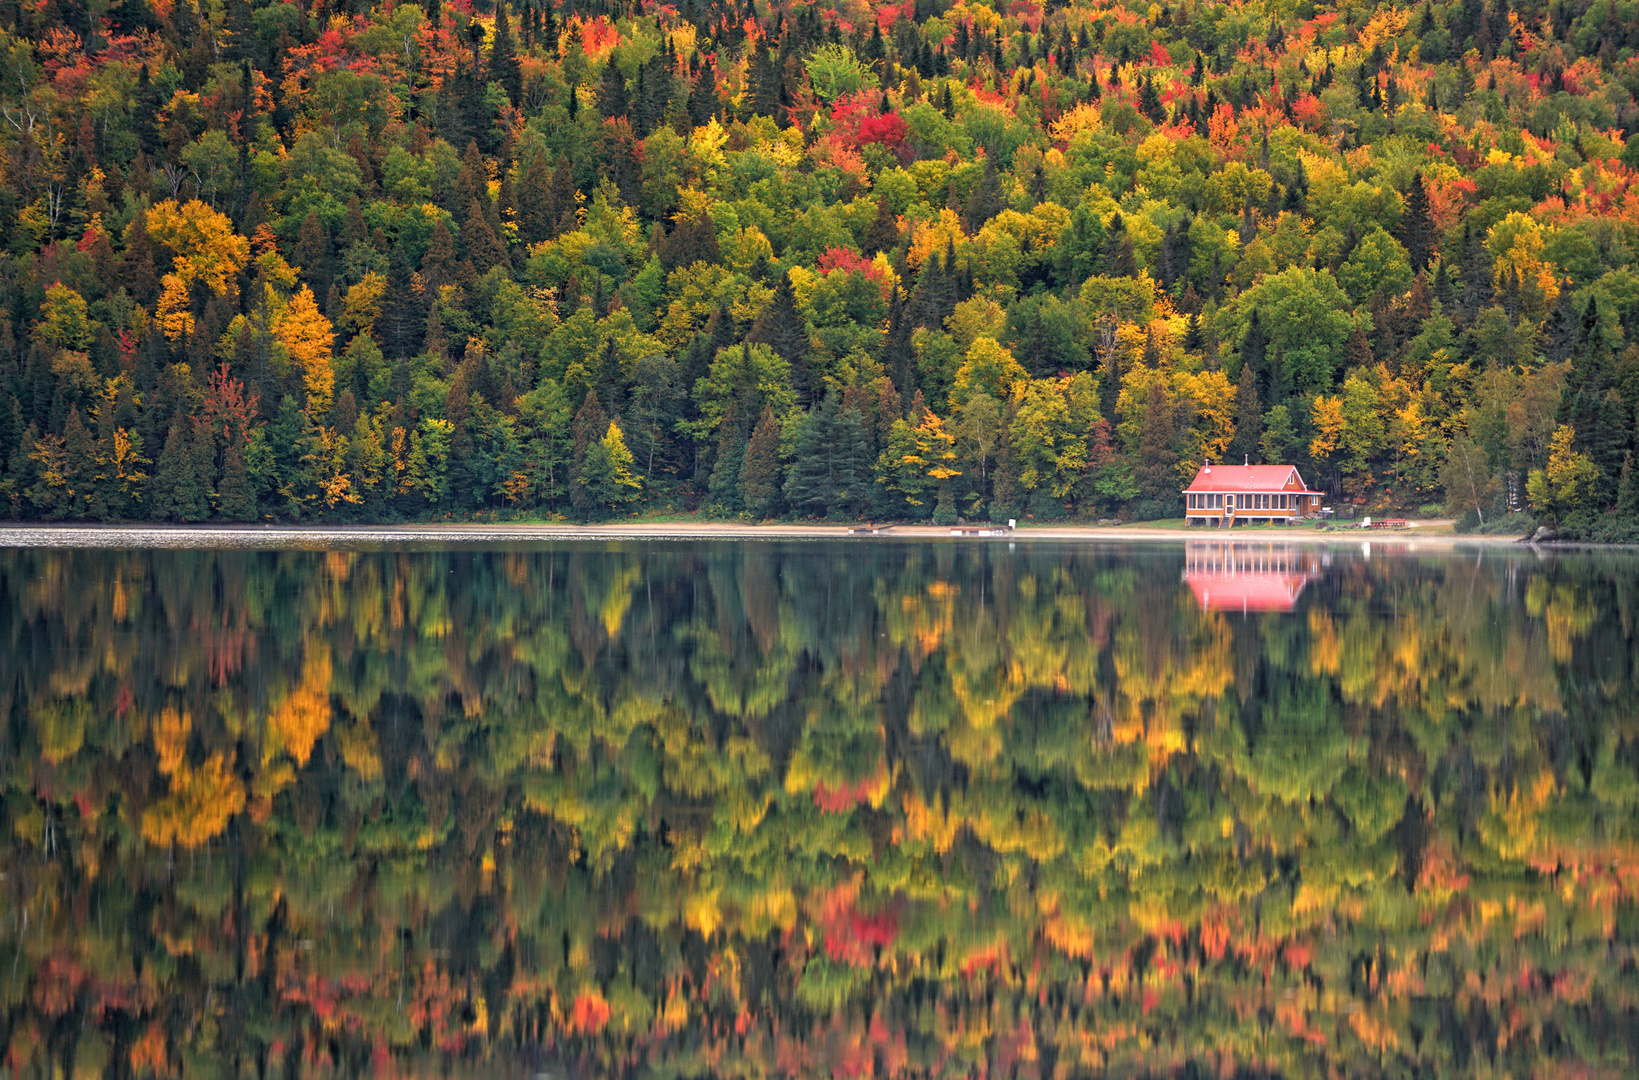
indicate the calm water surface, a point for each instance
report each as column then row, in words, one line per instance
column 819, row 809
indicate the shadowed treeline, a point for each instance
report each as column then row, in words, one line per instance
column 816, row 809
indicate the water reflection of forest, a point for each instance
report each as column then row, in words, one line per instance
column 815, row 810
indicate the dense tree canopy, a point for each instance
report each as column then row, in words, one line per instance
column 409, row 239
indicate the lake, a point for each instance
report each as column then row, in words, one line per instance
column 807, row 809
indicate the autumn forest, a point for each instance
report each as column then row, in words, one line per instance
column 330, row 261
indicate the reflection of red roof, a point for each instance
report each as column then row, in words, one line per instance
column 1239, row 478
column 1247, row 592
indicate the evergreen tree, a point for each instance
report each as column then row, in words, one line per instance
column 605, row 479
column 484, row 248
column 535, row 202
column 826, row 471
column 177, row 493
column 782, row 328
column 612, row 92
column 237, row 497
column 1248, row 418
column 1255, row 355
column 760, row 472
column 883, row 232
column 1155, row 466
column 1149, row 103
column 589, row 424
column 724, row 485
column 985, row 201
column 503, row 57
column 1417, row 225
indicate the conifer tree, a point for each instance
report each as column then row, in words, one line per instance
column 826, row 472
column 503, row 57
column 1417, row 225
column 612, row 92
column 782, row 328
column 605, row 477
column 237, row 497
column 1248, row 418
column 1155, row 467
column 883, row 232
column 484, row 248
column 589, row 422
column 724, row 484
column 534, row 201
column 760, row 472
column 178, row 493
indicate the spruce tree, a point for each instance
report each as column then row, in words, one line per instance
column 589, row 425
column 612, row 101
column 811, row 484
column 1155, row 468
column 237, row 498
column 1248, row 418
column 1417, row 225
column 760, row 471
column 883, row 232
column 176, row 493
column 484, row 248
column 79, row 466
column 782, row 328
column 985, row 200
column 534, row 201
column 503, row 57
column 724, row 485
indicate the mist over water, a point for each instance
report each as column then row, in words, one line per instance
column 690, row 808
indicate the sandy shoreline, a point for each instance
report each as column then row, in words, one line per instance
column 290, row 536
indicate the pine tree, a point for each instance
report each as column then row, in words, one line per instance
column 760, row 472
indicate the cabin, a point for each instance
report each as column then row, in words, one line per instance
column 1228, row 575
column 1224, row 495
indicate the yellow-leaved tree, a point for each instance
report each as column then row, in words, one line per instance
column 200, row 802
column 1565, row 484
column 204, row 248
column 309, row 339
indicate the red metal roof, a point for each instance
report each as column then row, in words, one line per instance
column 1247, row 592
column 1248, row 478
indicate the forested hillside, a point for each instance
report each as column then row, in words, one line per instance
column 351, row 261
